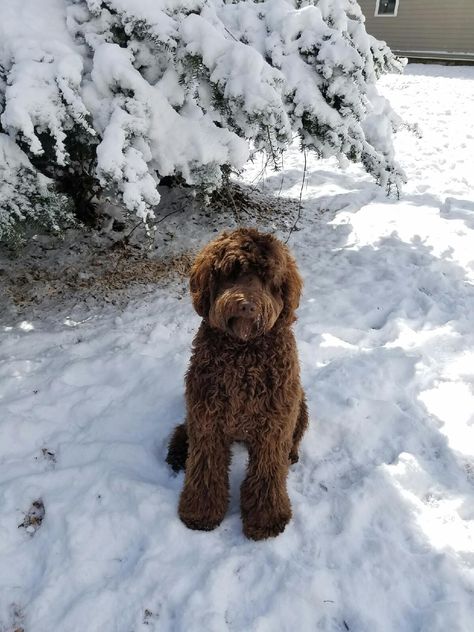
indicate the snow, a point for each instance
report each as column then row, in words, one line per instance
column 382, row 537
column 43, row 73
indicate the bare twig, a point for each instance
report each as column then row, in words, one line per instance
column 261, row 173
column 178, row 210
column 300, row 204
column 126, row 239
column 231, row 34
column 271, row 149
column 282, row 176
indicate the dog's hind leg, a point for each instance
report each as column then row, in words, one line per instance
column 178, row 448
column 301, row 425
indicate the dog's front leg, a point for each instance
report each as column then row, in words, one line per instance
column 265, row 505
column 205, row 495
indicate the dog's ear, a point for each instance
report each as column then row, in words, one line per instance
column 200, row 284
column 291, row 289
column 202, row 275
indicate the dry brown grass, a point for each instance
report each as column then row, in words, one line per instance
column 103, row 275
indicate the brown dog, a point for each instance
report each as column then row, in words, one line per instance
column 243, row 383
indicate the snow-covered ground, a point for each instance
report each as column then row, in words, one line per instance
column 382, row 538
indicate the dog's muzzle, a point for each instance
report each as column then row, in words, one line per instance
column 245, row 320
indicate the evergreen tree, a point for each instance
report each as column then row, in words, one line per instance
column 105, row 97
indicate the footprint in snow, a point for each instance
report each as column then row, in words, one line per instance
column 34, row 517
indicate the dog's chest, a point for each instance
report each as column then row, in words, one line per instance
column 246, row 384
column 248, row 392
column 241, row 387
column 249, row 384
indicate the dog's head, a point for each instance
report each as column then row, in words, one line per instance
column 245, row 281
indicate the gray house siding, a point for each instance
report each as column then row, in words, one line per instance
column 438, row 29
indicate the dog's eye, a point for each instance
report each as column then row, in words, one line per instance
column 235, row 271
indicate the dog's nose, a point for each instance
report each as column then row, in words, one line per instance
column 247, row 309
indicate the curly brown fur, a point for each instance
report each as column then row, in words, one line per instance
column 242, row 384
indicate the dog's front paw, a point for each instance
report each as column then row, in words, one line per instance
column 261, row 527
column 200, row 522
column 199, row 511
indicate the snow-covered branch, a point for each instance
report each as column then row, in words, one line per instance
column 184, row 87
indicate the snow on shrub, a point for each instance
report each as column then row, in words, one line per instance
column 27, row 198
column 108, row 96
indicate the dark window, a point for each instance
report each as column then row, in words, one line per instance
column 386, row 7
